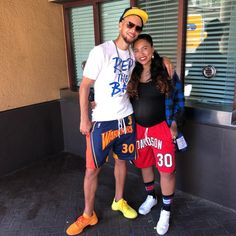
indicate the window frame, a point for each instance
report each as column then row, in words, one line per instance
column 97, row 32
column 181, row 51
column 217, row 115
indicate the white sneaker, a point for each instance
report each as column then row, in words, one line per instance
column 163, row 223
column 147, row 205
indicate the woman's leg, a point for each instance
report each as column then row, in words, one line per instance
column 148, row 179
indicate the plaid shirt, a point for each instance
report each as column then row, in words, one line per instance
column 174, row 103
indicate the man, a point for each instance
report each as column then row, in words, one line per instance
column 108, row 68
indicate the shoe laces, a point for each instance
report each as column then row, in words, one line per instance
column 124, row 205
column 81, row 220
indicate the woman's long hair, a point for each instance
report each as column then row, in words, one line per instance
column 159, row 75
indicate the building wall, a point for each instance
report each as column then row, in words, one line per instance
column 29, row 134
column 33, row 69
column 33, row 60
column 207, row 169
column 74, row 141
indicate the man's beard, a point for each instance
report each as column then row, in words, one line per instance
column 126, row 39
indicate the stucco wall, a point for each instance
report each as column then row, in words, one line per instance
column 32, row 48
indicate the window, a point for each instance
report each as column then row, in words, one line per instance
column 162, row 25
column 211, row 53
column 86, row 21
column 209, row 68
column 82, row 37
column 110, row 15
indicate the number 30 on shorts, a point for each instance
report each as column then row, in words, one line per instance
column 164, row 160
column 127, row 148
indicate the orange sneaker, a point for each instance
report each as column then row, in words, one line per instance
column 78, row 226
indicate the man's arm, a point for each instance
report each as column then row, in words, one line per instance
column 85, row 122
column 169, row 66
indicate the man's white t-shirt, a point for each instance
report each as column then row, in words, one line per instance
column 111, row 68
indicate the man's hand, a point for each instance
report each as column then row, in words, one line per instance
column 85, row 123
column 92, row 105
column 169, row 66
column 85, row 127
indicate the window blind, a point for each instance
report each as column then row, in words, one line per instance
column 211, row 51
column 110, row 15
column 162, row 25
column 82, row 36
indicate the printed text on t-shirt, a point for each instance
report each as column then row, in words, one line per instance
column 121, row 68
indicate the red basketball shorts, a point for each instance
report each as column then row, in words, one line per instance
column 155, row 147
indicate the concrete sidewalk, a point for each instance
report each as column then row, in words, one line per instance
column 43, row 199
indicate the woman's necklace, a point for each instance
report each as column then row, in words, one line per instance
column 145, row 76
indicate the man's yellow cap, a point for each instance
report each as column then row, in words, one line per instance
column 135, row 11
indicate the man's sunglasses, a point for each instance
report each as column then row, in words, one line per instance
column 131, row 25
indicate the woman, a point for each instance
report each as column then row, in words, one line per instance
column 158, row 104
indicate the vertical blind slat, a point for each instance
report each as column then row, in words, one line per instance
column 82, row 36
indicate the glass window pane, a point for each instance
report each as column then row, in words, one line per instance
column 110, row 15
column 162, row 25
column 82, row 36
column 211, row 52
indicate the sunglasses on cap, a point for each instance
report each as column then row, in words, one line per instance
column 131, row 25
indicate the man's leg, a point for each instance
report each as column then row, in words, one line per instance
column 120, row 171
column 90, row 187
column 119, row 204
column 89, row 216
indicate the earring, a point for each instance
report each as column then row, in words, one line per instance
column 152, row 56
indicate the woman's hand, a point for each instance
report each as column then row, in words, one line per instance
column 174, row 130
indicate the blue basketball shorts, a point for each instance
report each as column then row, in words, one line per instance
column 116, row 135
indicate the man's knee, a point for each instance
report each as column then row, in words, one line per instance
column 120, row 163
column 91, row 174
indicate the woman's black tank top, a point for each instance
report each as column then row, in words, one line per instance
column 149, row 107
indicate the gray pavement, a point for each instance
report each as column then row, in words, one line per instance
column 44, row 198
